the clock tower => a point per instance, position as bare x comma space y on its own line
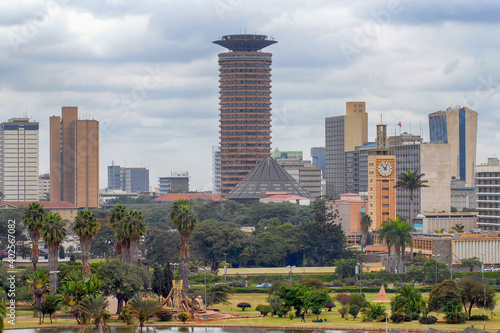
381, 181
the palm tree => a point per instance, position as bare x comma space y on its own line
32, 218
53, 233
408, 300
185, 220
366, 223
401, 236
133, 227
117, 214
143, 309
38, 285
411, 181
3, 314
386, 234
94, 307
86, 226
458, 228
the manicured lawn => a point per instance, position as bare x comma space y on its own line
254, 319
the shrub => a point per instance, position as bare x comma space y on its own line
126, 316
407, 318
243, 305
291, 315
397, 318
263, 309
280, 314
414, 316
479, 317
183, 316
164, 315
329, 306
429, 320
354, 311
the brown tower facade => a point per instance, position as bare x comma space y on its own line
74, 159
245, 106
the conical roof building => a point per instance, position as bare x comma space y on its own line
267, 176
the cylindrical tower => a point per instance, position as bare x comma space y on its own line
245, 106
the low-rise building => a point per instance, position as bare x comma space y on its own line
433, 222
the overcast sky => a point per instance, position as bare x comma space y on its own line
148, 71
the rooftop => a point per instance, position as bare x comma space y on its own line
245, 43
171, 197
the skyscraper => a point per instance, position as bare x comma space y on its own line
215, 169
343, 134
245, 106
130, 180
458, 128
19, 160
74, 159
318, 158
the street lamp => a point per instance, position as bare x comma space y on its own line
484, 285
206, 314
436, 255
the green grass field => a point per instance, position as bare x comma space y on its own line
250, 317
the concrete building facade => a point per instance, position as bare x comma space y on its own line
457, 127
178, 182
44, 187
307, 175
245, 106
19, 159
430, 222
350, 210
74, 159
488, 194
381, 180
343, 134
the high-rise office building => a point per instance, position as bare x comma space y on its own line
215, 169
458, 128
44, 187
130, 180
19, 160
245, 106
343, 134
488, 194
318, 158
74, 159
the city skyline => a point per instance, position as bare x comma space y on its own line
148, 71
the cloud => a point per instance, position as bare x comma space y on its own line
148, 70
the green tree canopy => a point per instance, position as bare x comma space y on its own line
444, 293
213, 239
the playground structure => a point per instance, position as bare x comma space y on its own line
180, 301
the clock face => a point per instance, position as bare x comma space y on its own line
385, 168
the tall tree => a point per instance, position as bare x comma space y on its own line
185, 220
401, 236
86, 226
366, 223
38, 285
117, 214
33, 218
213, 240
473, 294
53, 232
386, 234
133, 227
411, 181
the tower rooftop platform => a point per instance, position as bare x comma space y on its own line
245, 43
